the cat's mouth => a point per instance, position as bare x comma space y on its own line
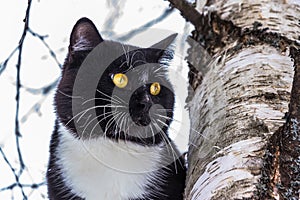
143, 114
143, 120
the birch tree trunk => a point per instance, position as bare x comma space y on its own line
245, 113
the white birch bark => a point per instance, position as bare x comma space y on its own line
241, 102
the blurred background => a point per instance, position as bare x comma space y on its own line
27, 119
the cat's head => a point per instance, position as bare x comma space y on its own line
109, 89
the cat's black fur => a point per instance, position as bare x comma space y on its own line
139, 105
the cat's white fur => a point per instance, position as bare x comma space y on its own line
104, 169
83, 44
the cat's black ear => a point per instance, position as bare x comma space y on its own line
165, 43
163, 49
84, 36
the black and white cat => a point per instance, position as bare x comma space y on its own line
110, 142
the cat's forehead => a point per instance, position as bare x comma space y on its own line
142, 63
141, 73
133, 55
147, 72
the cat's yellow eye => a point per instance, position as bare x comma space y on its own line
120, 80
155, 88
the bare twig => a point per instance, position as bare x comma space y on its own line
17, 183
17, 172
144, 27
4, 64
18, 86
44, 91
42, 38
116, 11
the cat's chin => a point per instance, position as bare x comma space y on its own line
142, 122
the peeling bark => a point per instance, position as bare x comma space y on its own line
241, 102
280, 16
245, 114
289, 157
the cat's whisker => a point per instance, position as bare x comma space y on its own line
160, 74
135, 53
99, 98
156, 70
159, 131
126, 53
126, 121
75, 117
142, 137
165, 109
174, 153
94, 107
138, 133
114, 118
90, 134
114, 115
119, 99
86, 121
153, 134
160, 68
109, 97
125, 62
171, 128
163, 116
70, 96
80, 113
118, 120
184, 124
142, 61
172, 119
109, 123
86, 126
128, 126
191, 129
122, 118
168, 143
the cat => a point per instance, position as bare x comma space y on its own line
114, 104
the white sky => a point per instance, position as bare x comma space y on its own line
54, 18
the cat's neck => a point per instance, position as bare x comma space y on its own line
125, 166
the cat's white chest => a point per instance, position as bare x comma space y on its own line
104, 169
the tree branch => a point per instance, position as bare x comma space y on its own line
42, 38
19, 49
294, 108
187, 11
18, 85
289, 145
142, 28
